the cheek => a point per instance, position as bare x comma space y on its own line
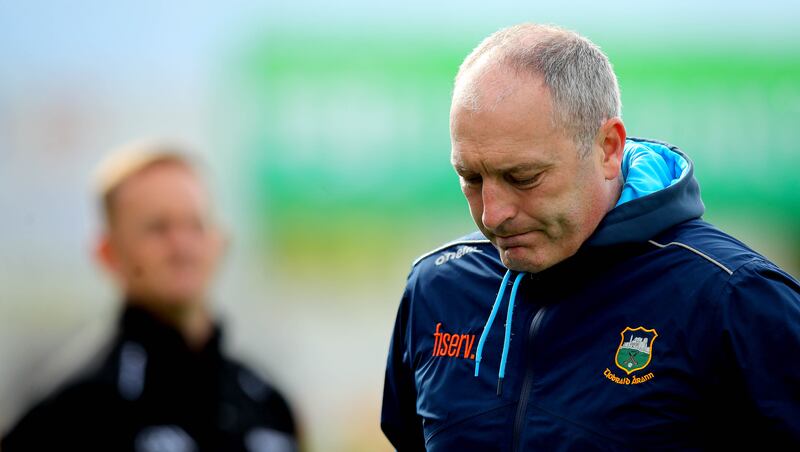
557, 215
578, 214
543, 208
475, 202
145, 256
211, 253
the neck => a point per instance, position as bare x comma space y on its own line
191, 319
615, 192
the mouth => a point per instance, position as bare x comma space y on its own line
513, 241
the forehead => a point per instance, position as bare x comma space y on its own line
161, 185
500, 118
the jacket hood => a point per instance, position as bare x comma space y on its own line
659, 191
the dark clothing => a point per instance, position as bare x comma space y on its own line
661, 333
152, 393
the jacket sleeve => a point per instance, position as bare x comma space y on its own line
760, 320
399, 420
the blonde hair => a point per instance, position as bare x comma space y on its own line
129, 160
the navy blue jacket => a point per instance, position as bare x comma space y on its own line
149, 391
661, 332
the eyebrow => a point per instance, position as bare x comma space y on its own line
460, 168
527, 167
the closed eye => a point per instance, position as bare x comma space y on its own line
472, 180
469, 177
526, 182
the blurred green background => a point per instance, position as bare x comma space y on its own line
324, 131
352, 133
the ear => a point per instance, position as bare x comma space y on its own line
611, 139
105, 254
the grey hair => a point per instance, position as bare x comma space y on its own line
577, 73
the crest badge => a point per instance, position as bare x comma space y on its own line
635, 349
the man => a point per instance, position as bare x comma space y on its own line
627, 321
165, 384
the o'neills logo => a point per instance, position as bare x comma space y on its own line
461, 252
452, 345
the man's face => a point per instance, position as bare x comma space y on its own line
162, 243
528, 189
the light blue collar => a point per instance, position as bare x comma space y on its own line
648, 167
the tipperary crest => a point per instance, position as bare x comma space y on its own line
635, 348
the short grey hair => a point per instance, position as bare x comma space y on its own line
577, 73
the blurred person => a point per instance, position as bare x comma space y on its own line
165, 383
628, 322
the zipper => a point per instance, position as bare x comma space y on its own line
522, 405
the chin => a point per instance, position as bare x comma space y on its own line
524, 259
178, 297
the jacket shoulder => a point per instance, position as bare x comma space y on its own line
709, 246
50, 423
465, 264
474, 242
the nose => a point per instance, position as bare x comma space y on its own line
498, 206
184, 236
